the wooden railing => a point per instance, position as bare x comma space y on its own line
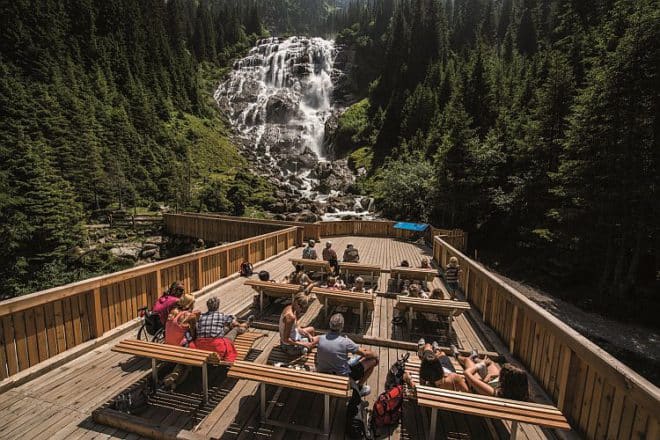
601, 397
202, 226
39, 326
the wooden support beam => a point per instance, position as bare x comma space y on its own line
98, 320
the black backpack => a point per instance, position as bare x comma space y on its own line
357, 417
133, 401
246, 269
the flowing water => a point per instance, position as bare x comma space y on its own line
278, 98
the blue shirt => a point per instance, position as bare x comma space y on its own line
332, 355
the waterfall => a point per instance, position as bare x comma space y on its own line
279, 96
278, 99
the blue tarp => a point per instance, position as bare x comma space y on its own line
417, 227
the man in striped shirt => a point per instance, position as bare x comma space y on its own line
452, 272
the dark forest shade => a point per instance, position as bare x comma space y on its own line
103, 106
532, 124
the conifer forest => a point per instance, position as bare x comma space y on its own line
531, 124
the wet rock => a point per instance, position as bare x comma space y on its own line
149, 253
128, 251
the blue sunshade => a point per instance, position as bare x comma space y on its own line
417, 227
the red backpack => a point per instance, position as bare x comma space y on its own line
388, 407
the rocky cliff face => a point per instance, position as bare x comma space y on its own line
279, 98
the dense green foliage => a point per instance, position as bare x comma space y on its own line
537, 121
105, 105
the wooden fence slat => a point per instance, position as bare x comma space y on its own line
9, 337
75, 314
85, 320
51, 331
68, 323
31, 337
21, 340
42, 338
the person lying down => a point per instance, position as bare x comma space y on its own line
479, 376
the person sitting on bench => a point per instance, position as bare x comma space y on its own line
332, 355
296, 340
212, 333
298, 276
351, 254
330, 256
425, 264
334, 283
437, 370
437, 294
487, 378
309, 253
168, 301
359, 286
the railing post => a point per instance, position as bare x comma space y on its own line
300, 236
98, 319
514, 329
200, 274
227, 262
159, 286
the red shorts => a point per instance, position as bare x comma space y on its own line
224, 347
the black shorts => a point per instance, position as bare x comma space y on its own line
357, 371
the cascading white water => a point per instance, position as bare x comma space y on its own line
279, 98
281, 93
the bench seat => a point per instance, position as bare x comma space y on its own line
278, 290
365, 301
370, 272
326, 384
515, 411
184, 355
442, 307
411, 273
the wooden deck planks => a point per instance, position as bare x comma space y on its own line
76, 385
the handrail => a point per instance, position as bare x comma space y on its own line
38, 326
377, 227
594, 390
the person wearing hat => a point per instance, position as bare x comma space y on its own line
332, 355
351, 254
330, 256
309, 253
181, 322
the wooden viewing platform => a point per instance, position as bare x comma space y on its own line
57, 367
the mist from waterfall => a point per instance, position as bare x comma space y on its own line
281, 93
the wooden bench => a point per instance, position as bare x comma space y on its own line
442, 307
278, 290
370, 272
186, 356
546, 416
321, 266
326, 384
277, 355
411, 273
365, 301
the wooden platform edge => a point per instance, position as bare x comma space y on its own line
67, 356
140, 426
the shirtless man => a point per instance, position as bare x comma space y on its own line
296, 340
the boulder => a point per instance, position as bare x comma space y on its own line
126, 251
148, 253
